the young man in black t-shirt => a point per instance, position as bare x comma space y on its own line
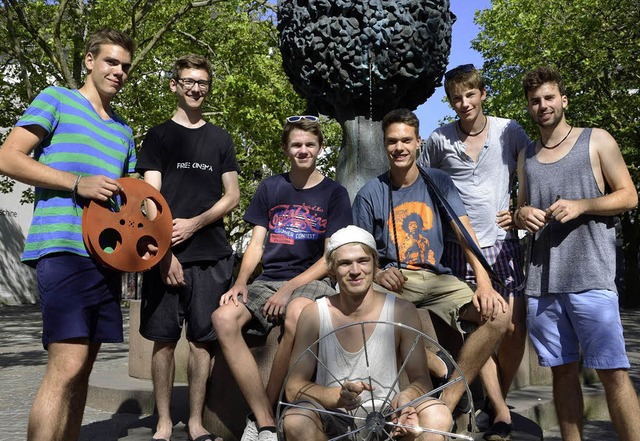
193, 164
293, 216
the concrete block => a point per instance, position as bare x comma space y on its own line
141, 349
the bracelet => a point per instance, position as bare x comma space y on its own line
74, 192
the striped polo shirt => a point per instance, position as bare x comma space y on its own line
78, 141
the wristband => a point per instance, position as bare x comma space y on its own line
74, 192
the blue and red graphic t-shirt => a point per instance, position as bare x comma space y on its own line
297, 221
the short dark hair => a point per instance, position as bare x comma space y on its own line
190, 61
305, 125
109, 36
465, 75
539, 76
404, 116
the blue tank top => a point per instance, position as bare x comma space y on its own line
579, 255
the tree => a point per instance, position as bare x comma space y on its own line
42, 43
595, 45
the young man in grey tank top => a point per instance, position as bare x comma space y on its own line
572, 301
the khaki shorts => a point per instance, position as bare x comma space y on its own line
442, 294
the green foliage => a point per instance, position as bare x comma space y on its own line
42, 43
595, 45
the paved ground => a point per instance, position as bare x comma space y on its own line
22, 362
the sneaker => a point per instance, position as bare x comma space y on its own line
267, 435
250, 429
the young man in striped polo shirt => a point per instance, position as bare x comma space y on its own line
80, 147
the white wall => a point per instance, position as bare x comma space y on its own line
17, 281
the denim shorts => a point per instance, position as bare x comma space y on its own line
561, 325
79, 299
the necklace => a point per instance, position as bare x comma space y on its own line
473, 134
561, 141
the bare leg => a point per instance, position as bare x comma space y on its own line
162, 374
511, 348
303, 425
498, 373
199, 372
283, 354
56, 414
475, 352
567, 395
489, 376
228, 321
433, 414
622, 401
436, 367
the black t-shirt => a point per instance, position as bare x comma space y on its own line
297, 222
192, 162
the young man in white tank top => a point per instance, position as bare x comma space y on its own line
352, 260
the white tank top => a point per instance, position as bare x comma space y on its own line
342, 365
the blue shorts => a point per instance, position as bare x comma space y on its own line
562, 324
79, 299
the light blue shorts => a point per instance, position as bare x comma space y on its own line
560, 325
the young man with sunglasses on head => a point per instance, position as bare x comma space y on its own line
193, 164
397, 207
572, 182
293, 216
80, 148
480, 153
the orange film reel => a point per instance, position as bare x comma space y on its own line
131, 232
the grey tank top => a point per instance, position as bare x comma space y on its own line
581, 254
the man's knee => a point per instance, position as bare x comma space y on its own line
294, 309
564, 372
500, 323
300, 423
226, 320
70, 362
614, 379
435, 415
164, 348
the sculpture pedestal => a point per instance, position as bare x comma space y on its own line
141, 349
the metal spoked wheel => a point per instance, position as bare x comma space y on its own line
369, 424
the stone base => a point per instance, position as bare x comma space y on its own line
141, 349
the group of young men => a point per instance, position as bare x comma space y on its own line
407, 249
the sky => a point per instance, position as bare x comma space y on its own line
464, 30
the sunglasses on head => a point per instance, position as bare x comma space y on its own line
296, 118
464, 68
